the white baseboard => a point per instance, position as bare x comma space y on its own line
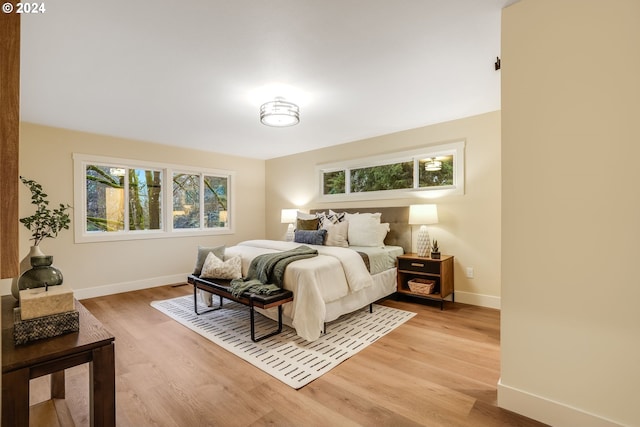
547, 411
489, 301
116, 288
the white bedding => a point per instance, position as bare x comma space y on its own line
317, 283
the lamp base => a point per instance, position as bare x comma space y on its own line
290, 234
424, 243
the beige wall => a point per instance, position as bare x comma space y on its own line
570, 211
99, 268
469, 225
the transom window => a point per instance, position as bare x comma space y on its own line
434, 168
120, 199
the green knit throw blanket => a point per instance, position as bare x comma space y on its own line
266, 272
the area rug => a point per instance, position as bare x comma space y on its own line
286, 356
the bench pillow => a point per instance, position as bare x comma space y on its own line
203, 251
215, 268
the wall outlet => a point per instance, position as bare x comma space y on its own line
470, 272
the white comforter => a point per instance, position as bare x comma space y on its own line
333, 274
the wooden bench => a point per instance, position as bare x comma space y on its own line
222, 288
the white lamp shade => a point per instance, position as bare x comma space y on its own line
288, 216
423, 214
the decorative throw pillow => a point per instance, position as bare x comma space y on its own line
203, 251
364, 229
323, 219
339, 216
337, 234
215, 268
330, 218
303, 215
310, 237
307, 224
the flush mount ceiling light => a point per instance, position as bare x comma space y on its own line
433, 165
279, 113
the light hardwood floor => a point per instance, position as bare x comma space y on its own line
438, 369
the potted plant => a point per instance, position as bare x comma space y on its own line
435, 250
44, 223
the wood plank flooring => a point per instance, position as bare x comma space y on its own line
438, 369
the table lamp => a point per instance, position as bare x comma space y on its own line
423, 215
289, 216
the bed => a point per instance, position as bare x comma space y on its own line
339, 280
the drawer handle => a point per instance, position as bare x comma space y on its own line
416, 264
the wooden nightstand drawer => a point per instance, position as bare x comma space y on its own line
418, 265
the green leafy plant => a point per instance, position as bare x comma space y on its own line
434, 247
45, 222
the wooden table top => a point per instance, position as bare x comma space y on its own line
92, 334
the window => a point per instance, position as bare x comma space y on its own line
394, 176
436, 171
119, 199
435, 168
334, 182
106, 195
186, 200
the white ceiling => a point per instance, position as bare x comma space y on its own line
194, 73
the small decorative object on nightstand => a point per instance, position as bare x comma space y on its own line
430, 278
435, 250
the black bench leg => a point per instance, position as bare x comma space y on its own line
253, 326
195, 302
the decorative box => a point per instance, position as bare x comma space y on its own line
25, 331
422, 286
41, 302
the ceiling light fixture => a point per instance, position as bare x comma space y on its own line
279, 113
433, 165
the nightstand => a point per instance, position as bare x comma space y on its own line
411, 266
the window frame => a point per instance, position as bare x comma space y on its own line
81, 235
457, 188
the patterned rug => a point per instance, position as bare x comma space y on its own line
287, 357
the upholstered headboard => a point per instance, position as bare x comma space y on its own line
397, 217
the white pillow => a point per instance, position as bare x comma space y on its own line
215, 268
364, 229
337, 234
362, 216
383, 229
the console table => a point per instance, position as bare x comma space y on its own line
92, 344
